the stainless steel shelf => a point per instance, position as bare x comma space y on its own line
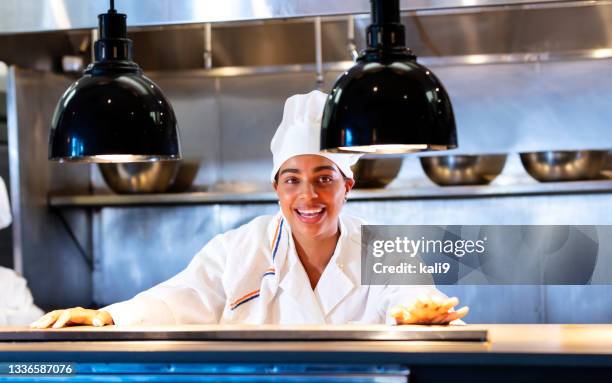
405, 193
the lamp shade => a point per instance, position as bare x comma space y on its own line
113, 113
387, 103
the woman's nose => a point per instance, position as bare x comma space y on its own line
308, 190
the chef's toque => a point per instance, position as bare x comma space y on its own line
300, 133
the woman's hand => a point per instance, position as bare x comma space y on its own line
429, 310
74, 316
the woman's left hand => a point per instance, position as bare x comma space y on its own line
429, 310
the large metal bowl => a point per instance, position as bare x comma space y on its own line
376, 172
140, 177
550, 166
186, 174
463, 169
606, 170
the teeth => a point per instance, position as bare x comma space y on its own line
310, 212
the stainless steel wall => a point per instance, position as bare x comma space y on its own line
42, 15
238, 127
227, 123
143, 246
43, 250
512, 304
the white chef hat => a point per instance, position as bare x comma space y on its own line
300, 133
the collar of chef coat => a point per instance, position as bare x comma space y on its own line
334, 284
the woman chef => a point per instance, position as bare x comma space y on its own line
300, 266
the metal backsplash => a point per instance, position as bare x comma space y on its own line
44, 15
136, 247
43, 250
527, 32
538, 31
143, 246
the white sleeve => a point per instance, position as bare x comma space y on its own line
5, 208
194, 296
16, 304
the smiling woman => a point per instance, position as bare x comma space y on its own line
300, 266
311, 191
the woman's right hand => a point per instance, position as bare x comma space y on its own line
430, 310
74, 316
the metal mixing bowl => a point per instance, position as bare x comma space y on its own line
140, 177
606, 170
463, 169
376, 172
552, 166
186, 174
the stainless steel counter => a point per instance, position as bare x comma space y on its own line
250, 333
532, 342
543, 353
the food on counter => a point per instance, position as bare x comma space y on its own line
429, 310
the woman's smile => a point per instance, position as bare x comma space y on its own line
311, 215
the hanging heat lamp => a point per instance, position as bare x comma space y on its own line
113, 113
387, 103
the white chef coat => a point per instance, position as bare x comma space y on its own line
16, 304
5, 207
253, 275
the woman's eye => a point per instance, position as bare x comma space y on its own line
291, 180
325, 179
